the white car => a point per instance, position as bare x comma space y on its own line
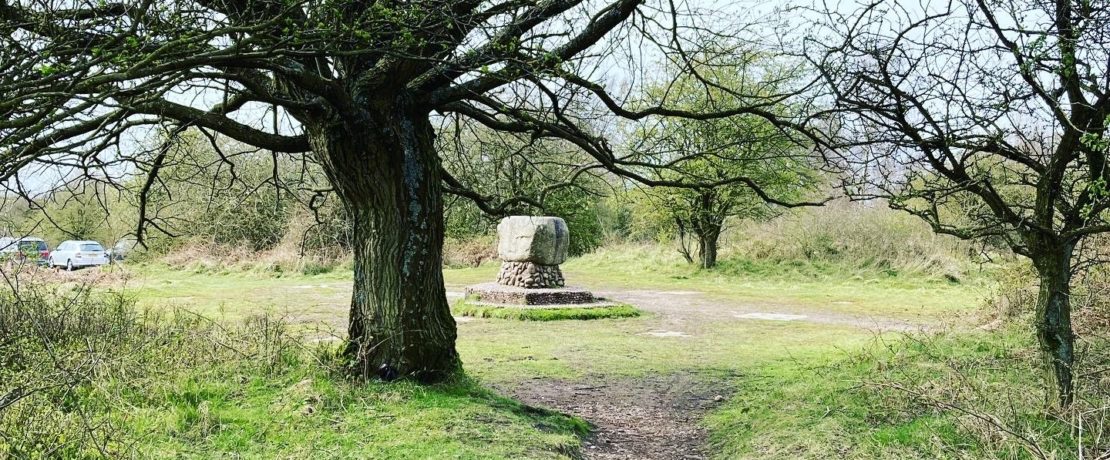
23, 250
74, 254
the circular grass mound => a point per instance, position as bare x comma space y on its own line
471, 308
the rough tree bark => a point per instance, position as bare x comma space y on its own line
707, 249
387, 174
708, 221
1052, 261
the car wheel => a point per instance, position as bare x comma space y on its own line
69, 265
50, 263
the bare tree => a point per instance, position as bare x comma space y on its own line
985, 118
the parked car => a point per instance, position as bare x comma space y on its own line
122, 248
24, 249
75, 254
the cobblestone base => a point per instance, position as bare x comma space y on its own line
494, 293
530, 275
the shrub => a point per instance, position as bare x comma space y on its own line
286, 258
72, 361
469, 252
1014, 293
853, 235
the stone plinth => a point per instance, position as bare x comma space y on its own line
494, 293
531, 249
536, 239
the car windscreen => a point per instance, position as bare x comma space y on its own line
37, 246
92, 247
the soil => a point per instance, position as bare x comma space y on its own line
658, 417
648, 418
691, 309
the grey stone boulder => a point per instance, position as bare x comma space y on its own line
536, 239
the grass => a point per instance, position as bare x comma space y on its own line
789, 285
234, 295
947, 395
507, 352
503, 352
464, 307
270, 416
180, 386
801, 389
229, 293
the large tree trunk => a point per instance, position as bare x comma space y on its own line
707, 224
1053, 318
707, 249
387, 174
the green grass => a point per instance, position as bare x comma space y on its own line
232, 294
922, 396
511, 351
478, 310
299, 413
788, 285
507, 352
180, 386
802, 389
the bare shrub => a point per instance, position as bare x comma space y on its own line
985, 388
471, 252
1014, 292
73, 361
284, 258
863, 235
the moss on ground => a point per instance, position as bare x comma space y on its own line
466, 307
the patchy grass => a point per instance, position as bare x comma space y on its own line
235, 295
506, 352
803, 285
512, 352
804, 390
946, 395
228, 293
464, 307
100, 379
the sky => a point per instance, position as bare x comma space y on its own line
727, 16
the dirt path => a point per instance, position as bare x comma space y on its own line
692, 307
652, 418
658, 417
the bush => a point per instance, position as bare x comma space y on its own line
853, 235
70, 362
199, 257
469, 252
1014, 293
581, 211
85, 375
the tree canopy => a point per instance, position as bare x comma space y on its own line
709, 152
356, 88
